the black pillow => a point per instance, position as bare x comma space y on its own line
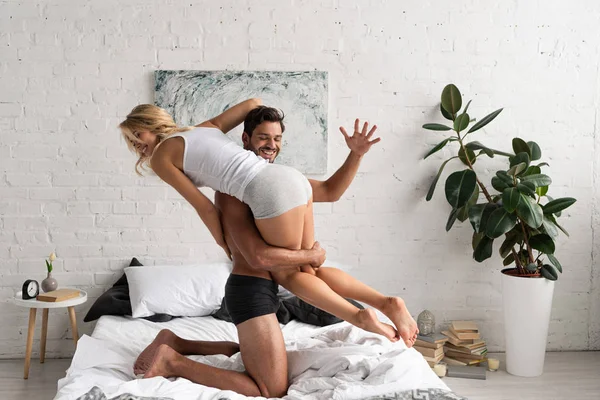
116, 301
293, 308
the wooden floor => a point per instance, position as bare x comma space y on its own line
573, 376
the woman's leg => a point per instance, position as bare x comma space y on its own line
287, 230
393, 307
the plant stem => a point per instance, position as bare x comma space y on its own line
518, 262
464, 149
529, 251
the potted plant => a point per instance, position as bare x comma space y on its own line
518, 212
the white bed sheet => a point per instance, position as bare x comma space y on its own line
335, 362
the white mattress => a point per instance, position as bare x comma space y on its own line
334, 362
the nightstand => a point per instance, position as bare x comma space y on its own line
33, 305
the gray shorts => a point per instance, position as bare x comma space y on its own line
275, 190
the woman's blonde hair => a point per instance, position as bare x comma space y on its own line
148, 117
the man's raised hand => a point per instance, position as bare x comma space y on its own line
360, 142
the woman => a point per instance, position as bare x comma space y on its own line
280, 198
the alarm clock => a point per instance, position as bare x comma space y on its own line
31, 289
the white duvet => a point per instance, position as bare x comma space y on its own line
334, 362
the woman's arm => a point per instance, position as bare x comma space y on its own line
209, 214
233, 116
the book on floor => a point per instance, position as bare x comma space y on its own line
429, 352
457, 371
422, 343
433, 338
464, 326
452, 361
462, 335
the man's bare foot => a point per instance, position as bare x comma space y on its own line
395, 309
367, 320
144, 360
161, 363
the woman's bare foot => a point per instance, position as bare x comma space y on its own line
395, 309
162, 361
367, 320
145, 358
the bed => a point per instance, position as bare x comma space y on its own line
333, 362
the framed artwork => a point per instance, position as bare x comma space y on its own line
192, 97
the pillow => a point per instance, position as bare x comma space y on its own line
178, 290
115, 301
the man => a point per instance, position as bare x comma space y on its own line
260, 338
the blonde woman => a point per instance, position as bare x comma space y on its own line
280, 198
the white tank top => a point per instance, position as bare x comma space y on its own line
212, 159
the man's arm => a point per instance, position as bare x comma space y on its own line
238, 223
359, 143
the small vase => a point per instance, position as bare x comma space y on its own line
49, 284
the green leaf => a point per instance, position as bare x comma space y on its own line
532, 170
470, 154
558, 205
543, 243
536, 152
509, 180
507, 245
484, 249
549, 272
550, 228
446, 114
527, 188
543, 164
479, 215
499, 184
467, 107
435, 180
520, 146
502, 153
517, 169
48, 267
530, 212
520, 158
476, 239
509, 259
459, 187
437, 127
538, 179
451, 99
451, 219
479, 146
463, 212
484, 121
531, 267
499, 223
510, 199
541, 191
554, 262
461, 122
437, 147
551, 218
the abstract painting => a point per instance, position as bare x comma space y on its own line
192, 97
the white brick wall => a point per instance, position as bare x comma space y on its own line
70, 71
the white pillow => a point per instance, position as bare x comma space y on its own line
177, 290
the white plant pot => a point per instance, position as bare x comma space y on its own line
527, 307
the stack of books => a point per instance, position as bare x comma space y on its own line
465, 345
431, 347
